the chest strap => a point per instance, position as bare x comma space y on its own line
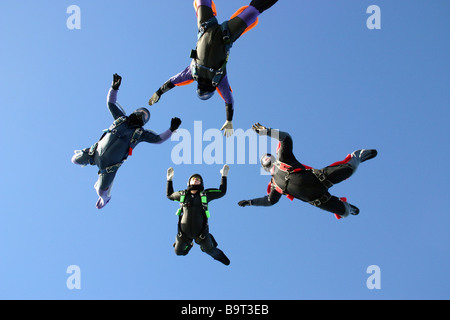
204, 199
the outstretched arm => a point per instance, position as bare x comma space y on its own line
219, 193
272, 198
285, 149
114, 108
180, 79
225, 92
151, 137
171, 195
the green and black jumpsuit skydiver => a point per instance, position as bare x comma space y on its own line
210, 57
296, 180
118, 142
193, 219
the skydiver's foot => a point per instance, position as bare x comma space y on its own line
102, 202
365, 154
223, 258
353, 210
349, 210
80, 158
103, 199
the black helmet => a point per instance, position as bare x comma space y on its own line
143, 113
205, 89
195, 187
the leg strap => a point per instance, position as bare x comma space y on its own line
112, 168
323, 199
322, 178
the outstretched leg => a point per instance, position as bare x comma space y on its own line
182, 245
205, 10
340, 207
242, 19
209, 246
81, 157
103, 187
342, 170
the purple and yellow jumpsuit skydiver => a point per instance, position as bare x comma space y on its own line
118, 142
296, 180
209, 59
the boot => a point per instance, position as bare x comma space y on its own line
365, 154
349, 210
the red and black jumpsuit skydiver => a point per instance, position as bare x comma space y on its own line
209, 59
296, 180
194, 215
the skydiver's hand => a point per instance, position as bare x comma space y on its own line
154, 99
117, 80
224, 171
227, 128
175, 124
244, 203
170, 174
257, 127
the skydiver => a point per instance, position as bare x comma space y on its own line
296, 180
118, 142
194, 215
209, 59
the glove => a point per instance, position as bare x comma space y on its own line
117, 80
257, 127
154, 99
224, 171
170, 174
175, 124
244, 203
228, 127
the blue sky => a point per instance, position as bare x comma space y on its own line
311, 68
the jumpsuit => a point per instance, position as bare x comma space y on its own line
304, 184
113, 148
211, 51
193, 223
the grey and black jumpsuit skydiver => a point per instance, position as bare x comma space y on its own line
194, 215
118, 142
209, 59
296, 180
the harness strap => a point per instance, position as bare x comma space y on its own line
204, 199
182, 200
134, 140
205, 26
93, 149
226, 36
289, 170
112, 168
280, 191
322, 178
323, 199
